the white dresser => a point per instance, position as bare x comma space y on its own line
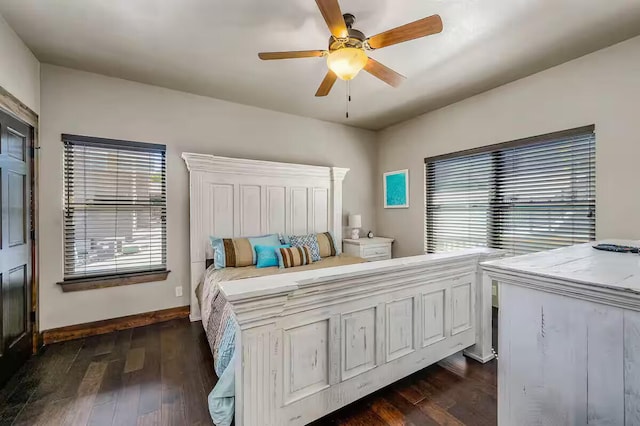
371, 249
569, 337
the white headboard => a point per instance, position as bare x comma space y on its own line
233, 197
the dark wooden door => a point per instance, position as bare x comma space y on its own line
15, 245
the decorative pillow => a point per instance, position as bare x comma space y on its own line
311, 241
294, 256
267, 255
236, 252
218, 253
336, 245
267, 240
326, 245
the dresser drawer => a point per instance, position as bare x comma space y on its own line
375, 251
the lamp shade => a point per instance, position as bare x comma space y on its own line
347, 62
355, 221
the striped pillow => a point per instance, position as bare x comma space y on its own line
294, 256
236, 252
326, 244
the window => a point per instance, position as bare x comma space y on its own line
114, 208
522, 196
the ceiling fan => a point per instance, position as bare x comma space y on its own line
347, 55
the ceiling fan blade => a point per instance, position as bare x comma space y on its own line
332, 15
327, 84
423, 27
266, 56
384, 73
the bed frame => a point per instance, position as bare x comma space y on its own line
310, 342
233, 197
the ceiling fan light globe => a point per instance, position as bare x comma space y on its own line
347, 62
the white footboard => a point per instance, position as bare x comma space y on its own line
312, 342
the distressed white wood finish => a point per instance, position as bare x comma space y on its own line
276, 210
461, 306
569, 337
631, 367
232, 197
358, 347
433, 326
400, 328
299, 215
306, 360
314, 341
483, 350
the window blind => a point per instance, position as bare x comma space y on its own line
458, 202
114, 207
523, 196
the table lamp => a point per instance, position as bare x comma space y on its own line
355, 222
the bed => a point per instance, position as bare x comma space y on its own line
299, 344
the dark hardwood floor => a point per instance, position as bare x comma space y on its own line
162, 374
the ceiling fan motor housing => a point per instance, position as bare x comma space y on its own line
355, 38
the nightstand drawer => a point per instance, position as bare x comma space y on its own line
376, 258
376, 251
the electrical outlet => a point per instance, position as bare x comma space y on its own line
179, 291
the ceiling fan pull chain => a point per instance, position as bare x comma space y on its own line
348, 98
346, 104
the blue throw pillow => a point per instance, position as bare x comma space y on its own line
267, 255
267, 240
219, 261
284, 238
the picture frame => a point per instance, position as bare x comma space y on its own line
396, 189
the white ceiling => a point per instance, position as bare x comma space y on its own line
209, 47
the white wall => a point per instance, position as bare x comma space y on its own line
19, 69
89, 104
602, 88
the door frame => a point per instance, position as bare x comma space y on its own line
14, 107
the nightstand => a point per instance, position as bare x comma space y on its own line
370, 249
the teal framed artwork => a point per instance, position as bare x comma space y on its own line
396, 189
